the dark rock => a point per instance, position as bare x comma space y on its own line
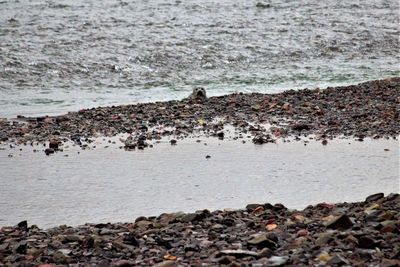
251, 207
49, 151
228, 222
265, 253
367, 242
130, 239
191, 247
21, 247
263, 139
54, 143
343, 222
279, 207
374, 197
263, 5
300, 127
190, 217
225, 260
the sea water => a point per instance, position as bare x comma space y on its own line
60, 56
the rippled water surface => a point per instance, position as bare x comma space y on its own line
57, 56
109, 184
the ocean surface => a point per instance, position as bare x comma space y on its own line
59, 56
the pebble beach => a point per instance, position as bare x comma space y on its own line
362, 233
344, 234
199, 133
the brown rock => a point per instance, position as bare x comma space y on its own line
342, 222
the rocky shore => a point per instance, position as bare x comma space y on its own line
368, 109
345, 234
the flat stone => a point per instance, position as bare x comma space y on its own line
239, 253
261, 240
278, 260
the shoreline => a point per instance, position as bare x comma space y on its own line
365, 110
351, 234
177, 97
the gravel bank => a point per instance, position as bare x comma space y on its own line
345, 234
368, 109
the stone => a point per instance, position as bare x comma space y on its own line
300, 127
265, 253
388, 227
49, 151
64, 251
54, 143
239, 253
278, 260
251, 207
190, 217
261, 240
374, 197
367, 242
324, 238
338, 260
21, 247
342, 222
263, 5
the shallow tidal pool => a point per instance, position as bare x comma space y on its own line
110, 185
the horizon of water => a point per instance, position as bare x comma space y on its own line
59, 56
